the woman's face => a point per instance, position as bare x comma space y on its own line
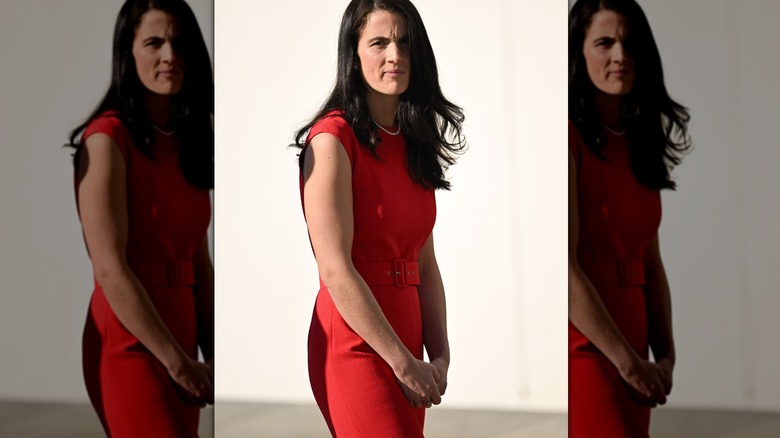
159, 67
610, 66
383, 49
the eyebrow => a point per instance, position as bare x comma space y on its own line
403, 38
603, 39
153, 38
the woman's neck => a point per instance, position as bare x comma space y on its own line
382, 108
158, 108
609, 109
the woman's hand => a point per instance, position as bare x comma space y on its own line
645, 382
194, 381
419, 383
667, 369
441, 366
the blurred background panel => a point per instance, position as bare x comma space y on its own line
720, 235
56, 65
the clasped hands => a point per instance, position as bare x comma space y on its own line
423, 383
649, 383
194, 382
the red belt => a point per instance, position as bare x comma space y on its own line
399, 273
622, 272
173, 273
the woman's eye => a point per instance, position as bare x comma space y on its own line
604, 43
154, 42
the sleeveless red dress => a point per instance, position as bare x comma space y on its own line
167, 219
618, 219
354, 387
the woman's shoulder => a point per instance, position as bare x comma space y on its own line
109, 123
334, 123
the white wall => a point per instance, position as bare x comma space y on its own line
719, 235
56, 65
500, 233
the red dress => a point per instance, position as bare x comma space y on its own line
167, 219
354, 387
618, 219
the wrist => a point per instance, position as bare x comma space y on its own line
175, 361
443, 360
402, 363
666, 360
627, 362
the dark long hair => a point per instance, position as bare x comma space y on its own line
656, 125
192, 108
432, 125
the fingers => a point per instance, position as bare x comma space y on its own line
668, 387
201, 393
188, 397
442, 385
666, 379
659, 385
656, 393
208, 397
647, 390
423, 398
194, 386
424, 386
435, 397
436, 374
429, 396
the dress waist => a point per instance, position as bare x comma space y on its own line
399, 273
171, 273
622, 272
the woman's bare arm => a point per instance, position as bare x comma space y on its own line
659, 312
433, 306
204, 298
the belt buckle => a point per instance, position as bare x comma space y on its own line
399, 269
174, 274
625, 273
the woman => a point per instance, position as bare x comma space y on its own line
625, 135
371, 160
144, 167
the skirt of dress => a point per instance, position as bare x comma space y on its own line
354, 387
600, 404
128, 387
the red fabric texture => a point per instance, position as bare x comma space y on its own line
167, 219
393, 217
618, 218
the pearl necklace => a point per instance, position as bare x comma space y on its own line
618, 133
162, 131
397, 131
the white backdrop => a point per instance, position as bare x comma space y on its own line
500, 233
56, 66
